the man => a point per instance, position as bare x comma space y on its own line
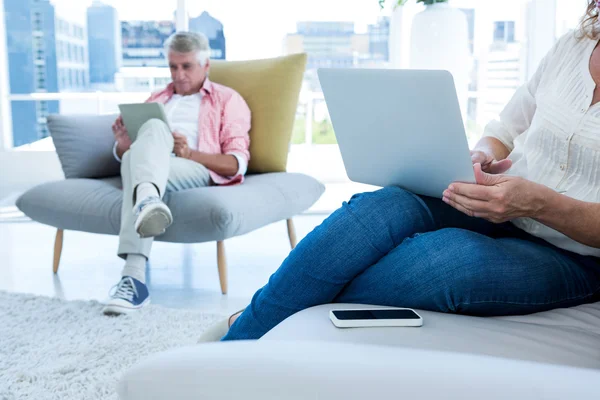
209, 142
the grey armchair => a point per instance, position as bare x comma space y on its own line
90, 198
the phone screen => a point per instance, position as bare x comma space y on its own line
375, 314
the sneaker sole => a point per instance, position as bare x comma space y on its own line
153, 222
115, 309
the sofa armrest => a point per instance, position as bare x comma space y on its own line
318, 370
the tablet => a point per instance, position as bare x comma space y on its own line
136, 115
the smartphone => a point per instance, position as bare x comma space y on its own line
376, 317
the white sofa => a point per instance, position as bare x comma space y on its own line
551, 355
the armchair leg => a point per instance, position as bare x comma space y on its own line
58, 245
292, 233
222, 264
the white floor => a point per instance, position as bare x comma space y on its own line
180, 276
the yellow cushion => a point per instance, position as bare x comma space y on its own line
271, 88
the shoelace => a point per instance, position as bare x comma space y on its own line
125, 289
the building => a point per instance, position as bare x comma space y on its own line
142, 42
213, 29
142, 79
32, 65
104, 38
46, 53
328, 44
71, 55
379, 40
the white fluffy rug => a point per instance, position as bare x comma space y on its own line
53, 349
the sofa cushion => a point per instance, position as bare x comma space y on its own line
271, 88
200, 215
84, 145
291, 370
568, 336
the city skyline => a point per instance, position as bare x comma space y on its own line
250, 40
247, 39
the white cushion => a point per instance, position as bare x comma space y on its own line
273, 370
567, 336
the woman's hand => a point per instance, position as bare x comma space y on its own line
181, 148
489, 163
497, 198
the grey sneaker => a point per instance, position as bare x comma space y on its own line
153, 217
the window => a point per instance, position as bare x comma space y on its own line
60, 52
504, 31
42, 108
357, 35
40, 77
73, 79
37, 21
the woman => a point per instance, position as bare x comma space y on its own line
524, 239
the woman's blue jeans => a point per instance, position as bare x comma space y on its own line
393, 248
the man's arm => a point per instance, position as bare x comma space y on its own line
234, 138
235, 129
222, 164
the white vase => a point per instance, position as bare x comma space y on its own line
395, 42
440, 40
400, 27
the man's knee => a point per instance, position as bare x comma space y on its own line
154, 126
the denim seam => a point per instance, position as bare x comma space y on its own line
595, 292
326, 281
366, 228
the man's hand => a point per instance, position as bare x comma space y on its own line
121, 136
489, 163
497, 198
181, 148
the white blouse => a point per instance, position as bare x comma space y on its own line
554, 132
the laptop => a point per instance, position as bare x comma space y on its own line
398, 128
137, 114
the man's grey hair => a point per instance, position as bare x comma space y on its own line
189, 42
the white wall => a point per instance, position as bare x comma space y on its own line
21, 170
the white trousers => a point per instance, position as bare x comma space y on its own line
149, 160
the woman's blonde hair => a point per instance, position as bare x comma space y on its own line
589, 23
